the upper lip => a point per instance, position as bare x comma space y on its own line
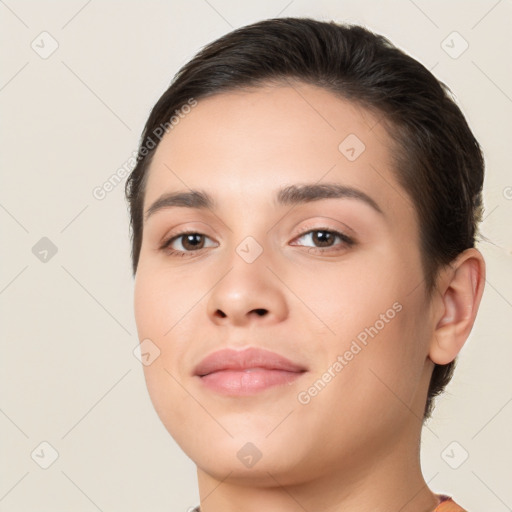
231, 359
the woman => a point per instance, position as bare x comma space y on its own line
304, 211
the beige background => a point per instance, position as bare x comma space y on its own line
69, 121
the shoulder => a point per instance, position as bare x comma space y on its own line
448, 505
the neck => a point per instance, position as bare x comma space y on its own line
389, 482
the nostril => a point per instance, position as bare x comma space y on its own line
261, 312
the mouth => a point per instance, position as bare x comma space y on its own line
247, 372
247, 382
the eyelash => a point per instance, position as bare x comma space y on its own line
347, 241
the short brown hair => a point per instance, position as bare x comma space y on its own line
439, 162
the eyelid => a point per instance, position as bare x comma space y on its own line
314, 225
176, 230
346, 240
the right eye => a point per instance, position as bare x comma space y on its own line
190, 242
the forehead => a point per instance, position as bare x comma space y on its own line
246, 143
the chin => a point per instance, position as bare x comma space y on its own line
248, 458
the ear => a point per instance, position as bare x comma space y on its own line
459, 291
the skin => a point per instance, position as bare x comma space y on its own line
355, 445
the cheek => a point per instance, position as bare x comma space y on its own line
345, 297
368, 317
374, 381
164, 314
389, 368
162, 300
154, 316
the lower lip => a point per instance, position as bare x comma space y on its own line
247, 382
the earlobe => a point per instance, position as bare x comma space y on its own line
459, 293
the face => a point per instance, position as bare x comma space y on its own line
328, 277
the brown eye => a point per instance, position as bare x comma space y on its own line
325, 238
184, 243
192, 241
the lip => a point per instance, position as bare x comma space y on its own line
246, 372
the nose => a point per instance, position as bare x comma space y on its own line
249, 292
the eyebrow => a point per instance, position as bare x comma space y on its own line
287, 196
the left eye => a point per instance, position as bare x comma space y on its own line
325, 238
